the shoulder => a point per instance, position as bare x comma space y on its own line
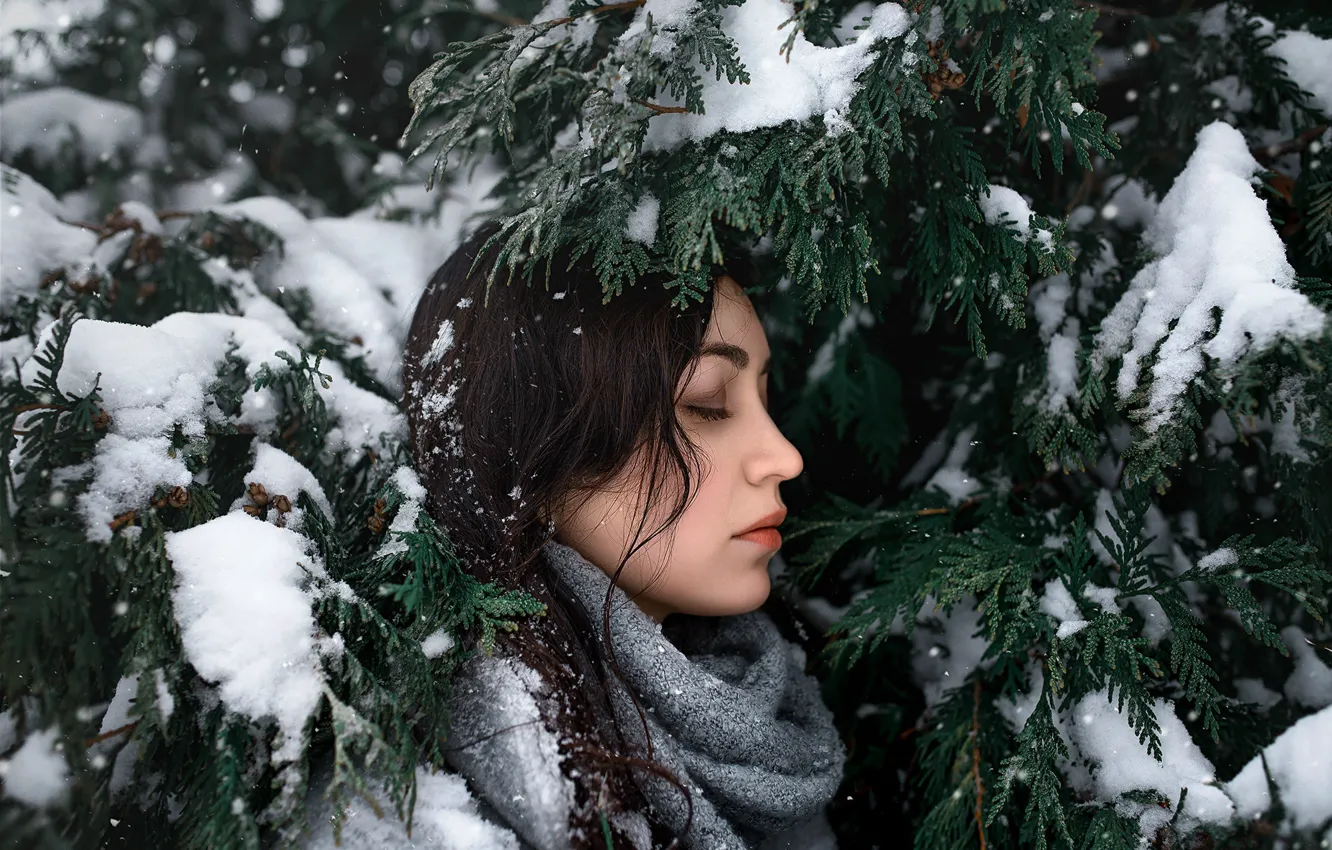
498, 741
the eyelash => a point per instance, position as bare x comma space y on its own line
712, 414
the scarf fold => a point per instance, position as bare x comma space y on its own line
730, 710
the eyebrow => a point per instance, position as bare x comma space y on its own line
734, 353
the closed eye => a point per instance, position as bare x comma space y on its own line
712, 414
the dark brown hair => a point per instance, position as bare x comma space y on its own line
518, 397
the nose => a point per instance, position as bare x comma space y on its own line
772, 454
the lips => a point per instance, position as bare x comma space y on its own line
764, 532
772, 520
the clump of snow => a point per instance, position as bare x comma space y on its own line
437, 643
42, 122
1002, 205
35, 239
1310, 684
37, 774
642, 224
1118, 763
1300, 762
1308, 61
1059, 604
445, 817
1218, 559
246, 621
1216, 249
809, 81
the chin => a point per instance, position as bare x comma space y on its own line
744, 598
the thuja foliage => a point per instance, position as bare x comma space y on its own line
78, 618
1007, 560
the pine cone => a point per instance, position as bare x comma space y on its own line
375, 524
207, 241
258, 494
123, 520
252, 510
146, 248
282, 503
179, 498
101, 419
380, 505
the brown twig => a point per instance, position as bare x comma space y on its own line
659, 109
1303, 140
128, 727
941, 511
610, 7
976, 764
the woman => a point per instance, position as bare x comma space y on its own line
617, 461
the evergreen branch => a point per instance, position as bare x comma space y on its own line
1035, 764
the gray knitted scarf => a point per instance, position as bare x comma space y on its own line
731, 713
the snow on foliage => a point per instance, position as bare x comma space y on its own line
245, 620
445, 817
43, 122
1299, 762
153, 379
1003, 205
1111, 761
1216, 250
809, 81
642, 224
35, 238
361, 275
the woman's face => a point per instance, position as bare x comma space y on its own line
700, 565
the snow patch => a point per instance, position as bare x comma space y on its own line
1216, 249
1300, 761
810, 81
246, 621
